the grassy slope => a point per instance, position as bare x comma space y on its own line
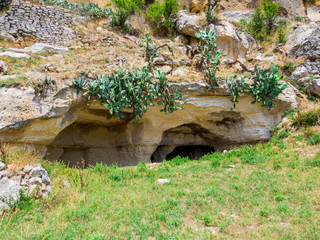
271, 193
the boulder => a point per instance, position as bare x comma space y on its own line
180, 72
233, 42
235, 16
6, 37
188, 24
38, 171
9, 192
313, 13
6, 174
293, 7
304, 40
314, 87
27, 169
2, 166
43, 48
15, 55
165, 69
163, 181
262, 58
3, 68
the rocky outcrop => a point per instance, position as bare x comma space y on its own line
62, 126
313, 13
229, 40
3, 68
31, 180
293, 7
188, 24
235, 16
45, 23
304, 41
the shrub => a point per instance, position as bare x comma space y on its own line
211, 56
282, 35
266, 86
288, 68
313, 139
264, 19
304, 119
161, 16
124, 9
4, 5
134, 90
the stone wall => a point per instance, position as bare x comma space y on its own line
45, 23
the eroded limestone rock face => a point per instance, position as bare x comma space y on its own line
229, 40
304, 40
62, 126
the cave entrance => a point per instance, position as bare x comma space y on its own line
187, 140
192, 152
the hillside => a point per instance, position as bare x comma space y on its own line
159, 120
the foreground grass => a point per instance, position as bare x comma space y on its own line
267, 191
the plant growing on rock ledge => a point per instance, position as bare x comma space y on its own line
211, 56
134, 90
265, 87
236, 88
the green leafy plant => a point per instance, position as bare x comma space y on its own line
266, 87
282, 35
124, 9
264, 20
209, 12
41, 89
4, 5
211, 56
161, 16
80, 82
288, 68
152, 51
236, 88
24, 201
87, 9
134, 90
313, 139
304, 119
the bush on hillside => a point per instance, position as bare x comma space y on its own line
124, 9
264, 20
161, 16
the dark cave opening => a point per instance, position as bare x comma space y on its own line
193, 152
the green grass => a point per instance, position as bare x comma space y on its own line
270, 192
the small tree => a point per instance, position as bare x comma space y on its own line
162, 16
211, 56
264, 20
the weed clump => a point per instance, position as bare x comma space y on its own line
161, 16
